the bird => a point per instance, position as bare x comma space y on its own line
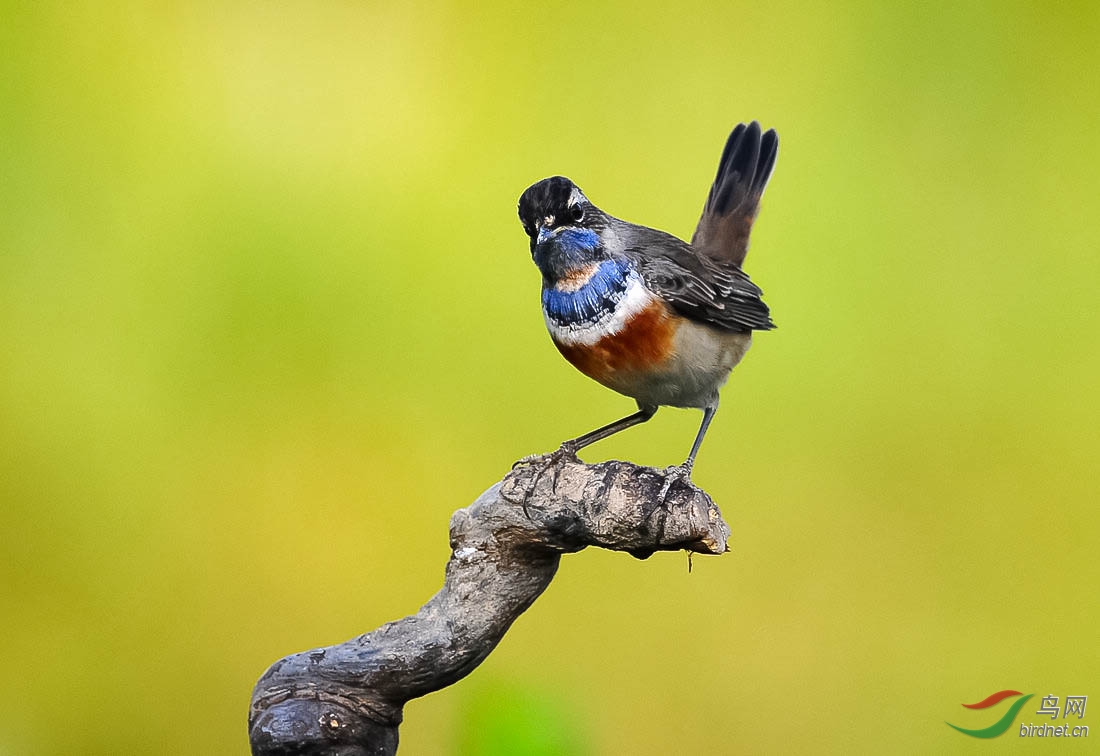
642, 312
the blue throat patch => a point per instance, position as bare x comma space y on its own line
578, 239
597, 297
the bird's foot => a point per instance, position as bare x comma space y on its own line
673, 475
564, 452
567, 452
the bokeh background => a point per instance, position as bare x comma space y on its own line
267, 318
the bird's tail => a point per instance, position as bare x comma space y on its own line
743, 172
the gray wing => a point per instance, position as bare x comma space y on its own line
710, 291
743, 171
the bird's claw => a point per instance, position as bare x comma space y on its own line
673, 475
565, 451
544, 462
528, 460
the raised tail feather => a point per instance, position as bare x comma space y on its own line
743, 172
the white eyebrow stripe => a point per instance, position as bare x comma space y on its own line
575, 197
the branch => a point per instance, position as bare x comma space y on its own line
505, 547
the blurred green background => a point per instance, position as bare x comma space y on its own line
267, 318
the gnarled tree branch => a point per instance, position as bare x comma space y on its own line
348, 699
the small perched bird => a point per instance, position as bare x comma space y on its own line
642, 312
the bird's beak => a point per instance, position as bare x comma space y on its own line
546, 229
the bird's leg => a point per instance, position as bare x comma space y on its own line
683, 472
708, 415
644, 413
569, 449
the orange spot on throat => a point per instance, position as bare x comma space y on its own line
576, 278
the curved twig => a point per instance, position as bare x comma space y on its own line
347, 699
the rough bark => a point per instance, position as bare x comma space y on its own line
505, 547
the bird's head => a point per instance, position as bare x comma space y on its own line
563, 226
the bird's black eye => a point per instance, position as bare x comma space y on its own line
527, 229
576, 213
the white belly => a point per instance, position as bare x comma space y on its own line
698, 367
